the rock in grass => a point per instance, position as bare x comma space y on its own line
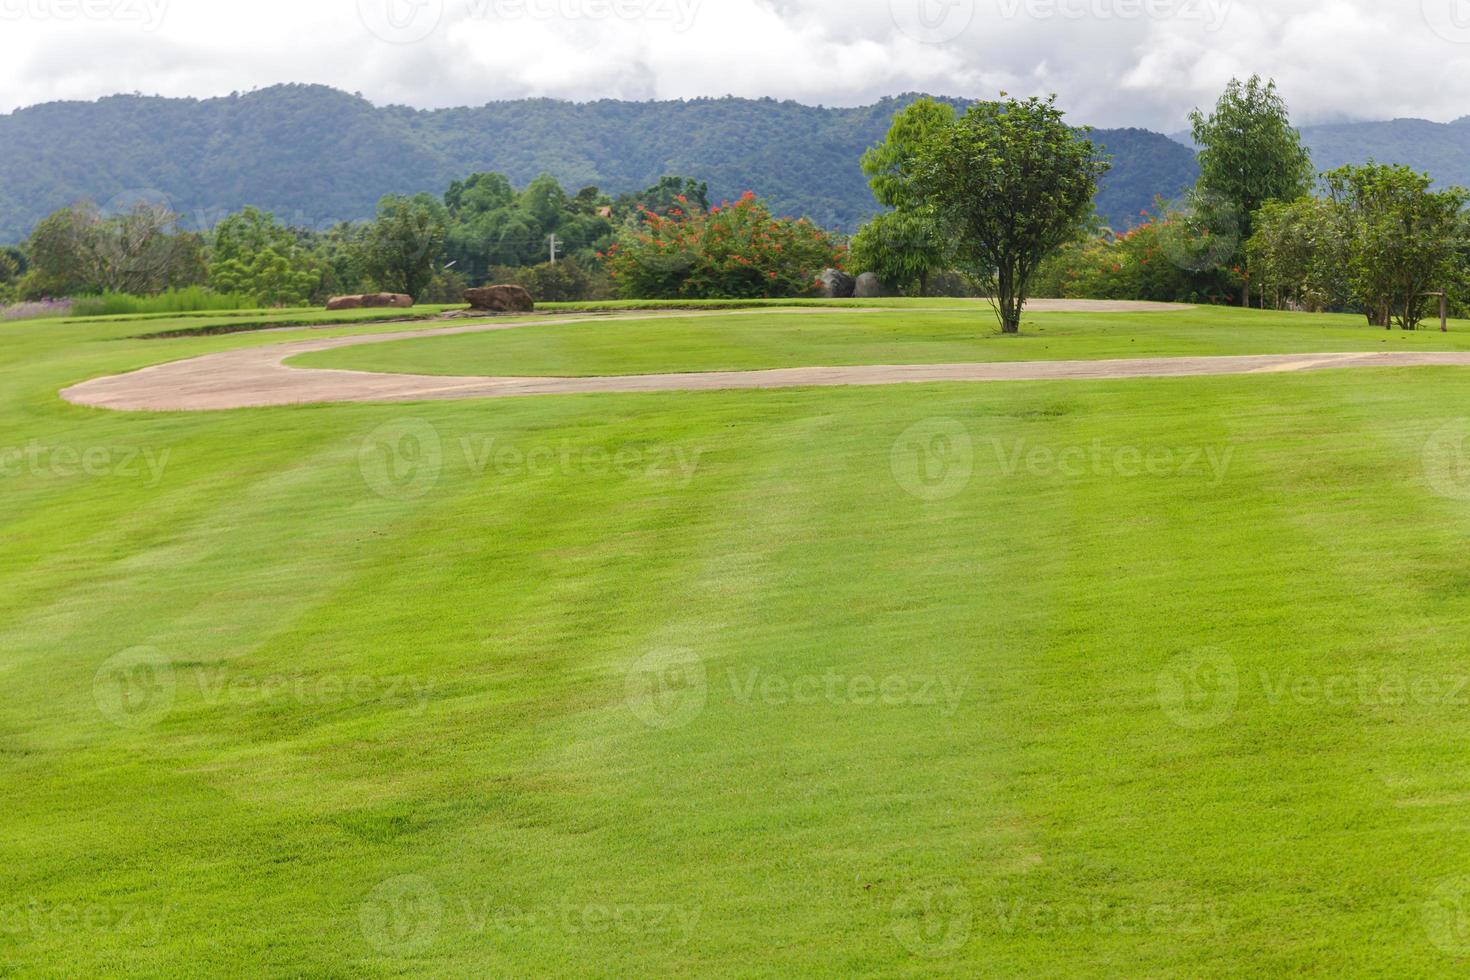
869, 286
837, 284
500, 299
370, 301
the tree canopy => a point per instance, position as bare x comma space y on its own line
1010, 183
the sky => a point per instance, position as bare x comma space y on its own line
1111, 62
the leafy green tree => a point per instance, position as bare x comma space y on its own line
9, 273
1404, 239
1300, 251
340, 253
257, 256
140, 251
491, 224
889, 165
903, 247
1009, 183
402, 247
1250, 154
671, 193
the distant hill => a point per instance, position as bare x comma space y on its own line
1441, 149
315, 155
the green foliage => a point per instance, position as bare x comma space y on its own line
1140, 264
9, 275
1009, 183
903, 247
255, 255
732, 251
669, 194
1405, 239
1301, 253
1249, 152
191, 299
141, 250
341, 255
491, 224
889, 165
402, 247
568, 281
315, 156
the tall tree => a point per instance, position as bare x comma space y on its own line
139, 251
904, 247
1404, 239
1250, 154
403, 245
256, 255
1010, 183
1300, 253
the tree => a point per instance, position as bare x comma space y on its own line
1300, 251
737, 251
889, 165
1250, 154
140, 251
257, 256
904, 247
1404, 239
1009, 183
670, 193
402, 247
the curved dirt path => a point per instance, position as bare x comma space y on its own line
256, 377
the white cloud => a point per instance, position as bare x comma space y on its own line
1113, 62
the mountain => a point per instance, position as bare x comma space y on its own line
1440, 149
315, 155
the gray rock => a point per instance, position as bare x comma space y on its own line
869, 286
837, 284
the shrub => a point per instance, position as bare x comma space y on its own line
728, 252
1165, 260
568, 281
191, 299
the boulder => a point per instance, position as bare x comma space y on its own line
370, 301
837, 284
869, 286
500, 299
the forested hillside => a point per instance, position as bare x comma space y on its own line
314, 155
1440, 149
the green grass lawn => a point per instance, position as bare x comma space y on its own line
1156, 677
740, 341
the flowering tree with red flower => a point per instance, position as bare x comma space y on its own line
735, 251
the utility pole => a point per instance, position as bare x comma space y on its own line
555, 244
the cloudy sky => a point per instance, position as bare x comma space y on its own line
1113, 62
